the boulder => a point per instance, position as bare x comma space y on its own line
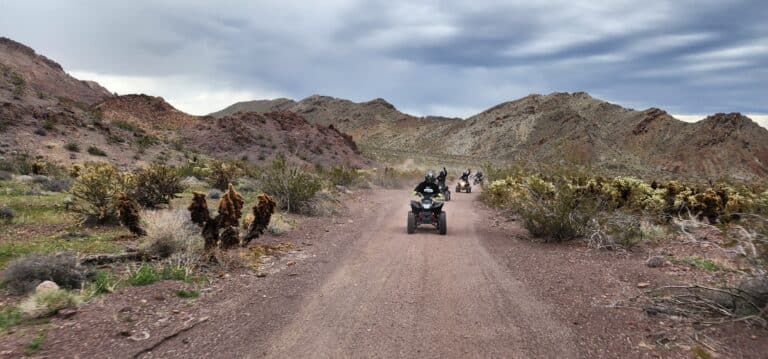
46, 285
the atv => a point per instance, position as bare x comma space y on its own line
463, 185
444, 190
478, 180
427, 211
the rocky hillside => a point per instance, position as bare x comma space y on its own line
44, 111
554, 128
41, 75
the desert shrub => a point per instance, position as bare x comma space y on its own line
393, 178
24, 274
48, 124
552, 211
156, 184
72, 147
145, 274
96, 151
58, 185
170, 232
9, 316
96, 190
47, 302
221, 174
103, 282
343, 176
323, 204
20, 163
5, 175
41, 132
146, 141
7, 214
187, 294
125, 125
291, 186
19, 84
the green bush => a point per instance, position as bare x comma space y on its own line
125, 125
221, 174
96, 190
103, 282
72, 147
156, 184
343, 176
48, 125
187, 294
9, 316
290, 185
146, 274
96, 151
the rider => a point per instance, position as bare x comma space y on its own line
465, 175
479, 175
428, 187
441, 177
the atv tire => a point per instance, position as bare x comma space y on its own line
411, 223
469, 190
442, 225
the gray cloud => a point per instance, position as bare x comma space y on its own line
440, 57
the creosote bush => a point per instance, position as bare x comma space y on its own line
291, 186
156, 184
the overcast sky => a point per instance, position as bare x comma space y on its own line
452, 58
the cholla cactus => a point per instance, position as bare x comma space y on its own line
230, 208
128, 212
262, 214
198, 210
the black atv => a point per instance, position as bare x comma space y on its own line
463, 185
478, 180
444, 190
427, 211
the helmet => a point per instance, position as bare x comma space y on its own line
430, 177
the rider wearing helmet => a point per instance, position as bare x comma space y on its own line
465, 175
428, 187
441, 177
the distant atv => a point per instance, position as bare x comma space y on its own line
444, 190
463, 185
427, 211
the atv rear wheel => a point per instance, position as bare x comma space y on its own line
469, 190
411, 223
442, 224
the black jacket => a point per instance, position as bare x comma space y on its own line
424, 185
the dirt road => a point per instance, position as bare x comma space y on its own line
358, 286
422, 295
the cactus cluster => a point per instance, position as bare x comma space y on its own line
222, 230
715, 203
